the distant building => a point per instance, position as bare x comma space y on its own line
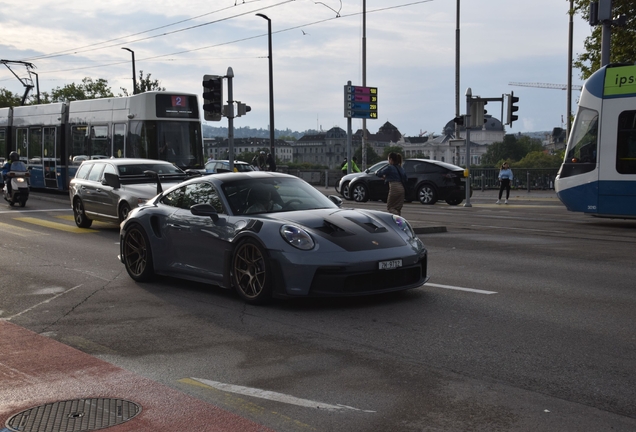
219, 149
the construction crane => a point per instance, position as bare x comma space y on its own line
544, 85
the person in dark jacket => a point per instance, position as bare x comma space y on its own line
271, 162
394, 175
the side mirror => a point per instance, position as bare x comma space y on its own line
336, 200
205, 210
111, 180
154, 175
193, 173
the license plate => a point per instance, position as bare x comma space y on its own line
390, 265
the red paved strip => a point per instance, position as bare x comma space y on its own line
35, 370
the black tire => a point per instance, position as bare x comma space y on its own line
251, 273
427, 195
137, 254
23, 201
11, 203
454, 201
124, 209
345, 191
80, 217
359, 192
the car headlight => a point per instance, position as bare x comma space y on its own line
297, 237
404, 226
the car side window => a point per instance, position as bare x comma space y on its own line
82, 172
96, 172
201, 193
173, 199
110, 169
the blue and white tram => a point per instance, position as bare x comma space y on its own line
54, 139
598, 174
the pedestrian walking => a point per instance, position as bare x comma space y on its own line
394, 175
505, 178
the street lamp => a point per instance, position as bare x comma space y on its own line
271, 85
133, 65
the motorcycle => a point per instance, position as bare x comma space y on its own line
19, 185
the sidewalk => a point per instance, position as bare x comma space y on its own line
74, 391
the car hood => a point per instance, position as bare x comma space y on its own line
352, 230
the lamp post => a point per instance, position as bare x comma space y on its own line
271, 85
133, 65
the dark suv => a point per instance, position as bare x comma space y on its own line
429, 181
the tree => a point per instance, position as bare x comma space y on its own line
88, 89
538, 159
510, 149
145, 84
623, 41
372, 156
9, 99
394, 149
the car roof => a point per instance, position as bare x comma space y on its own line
436, 162
225, 160
127, 161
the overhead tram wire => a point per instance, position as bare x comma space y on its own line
95, 47
239, 40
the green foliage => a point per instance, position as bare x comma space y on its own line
9, 99
372, 156
145, 84
88, 89
394, 149
538, 159
623, 42
511, 149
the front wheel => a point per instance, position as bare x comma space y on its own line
359, 193
137, 254
427, 195
80, 217
251, 273
124, 209
454, 201
345, 191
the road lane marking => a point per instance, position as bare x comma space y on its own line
518, 229
39, 304
55, 225
34, 211
274, 396
19, 231
460, 288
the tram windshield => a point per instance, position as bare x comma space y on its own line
582, 147
172, 141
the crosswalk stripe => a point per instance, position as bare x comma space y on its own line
19, 231
55, 225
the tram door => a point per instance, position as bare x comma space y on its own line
49, 158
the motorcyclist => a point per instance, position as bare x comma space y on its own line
6, 168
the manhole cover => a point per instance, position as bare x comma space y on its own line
74, 415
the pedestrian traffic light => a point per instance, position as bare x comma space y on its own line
512, 108
212, 97
242, 109
478, 113
459, 120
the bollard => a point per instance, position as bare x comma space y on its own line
326, 179
528, 181
483, 186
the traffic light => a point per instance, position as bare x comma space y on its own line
242, 109
478, 113
459, 120
512, 108
212, 97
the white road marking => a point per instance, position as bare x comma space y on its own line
278, 397
519, 229
460, 288
41, 303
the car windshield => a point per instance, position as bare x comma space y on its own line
271, 195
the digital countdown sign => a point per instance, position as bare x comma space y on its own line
360, 102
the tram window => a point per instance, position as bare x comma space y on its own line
79, 146
35, 146
100, 142
21, 143
583, 146
119, 137
3, 144
626, 145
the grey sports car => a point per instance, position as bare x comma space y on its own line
268, 234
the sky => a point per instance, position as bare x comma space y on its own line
317, 48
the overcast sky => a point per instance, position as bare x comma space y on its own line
317, 48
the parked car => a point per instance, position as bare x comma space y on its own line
268, 234
343, 185
428, 181
107, 189
219, 166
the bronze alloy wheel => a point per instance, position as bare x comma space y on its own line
251, 274
137, 254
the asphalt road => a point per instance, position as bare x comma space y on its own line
527, 324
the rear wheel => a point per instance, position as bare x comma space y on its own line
454, 201
80, 217
137, 254
251, 273
427, 195
359, 192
